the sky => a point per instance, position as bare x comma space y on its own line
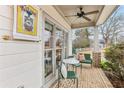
121, 9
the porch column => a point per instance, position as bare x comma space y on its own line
96, 49
69, 43
96, 40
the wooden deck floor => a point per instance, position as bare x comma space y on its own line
88, 78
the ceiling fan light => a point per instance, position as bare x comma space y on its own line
78, 14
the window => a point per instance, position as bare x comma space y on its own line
48, 62
48, 54
48, 35
65, 44
58, 55
59, 45
59, 38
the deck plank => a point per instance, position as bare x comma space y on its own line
88, 78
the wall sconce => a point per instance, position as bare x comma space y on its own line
6, 37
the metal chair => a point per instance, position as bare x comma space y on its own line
87, 59
68, 74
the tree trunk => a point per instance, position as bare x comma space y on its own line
106, 42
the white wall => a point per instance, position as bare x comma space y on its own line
20, 64
20, 61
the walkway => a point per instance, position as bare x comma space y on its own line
91, 78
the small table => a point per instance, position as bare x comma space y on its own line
71, 61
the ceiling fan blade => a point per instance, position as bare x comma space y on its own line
93, 12
70, 15
88, 19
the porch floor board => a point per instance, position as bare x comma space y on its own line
88, 78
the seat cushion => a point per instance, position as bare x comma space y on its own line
71, 75
87, 61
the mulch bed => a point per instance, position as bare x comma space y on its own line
117, 83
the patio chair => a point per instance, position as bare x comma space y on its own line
68, 74
87, 59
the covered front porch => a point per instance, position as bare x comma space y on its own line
87, 77
40, 52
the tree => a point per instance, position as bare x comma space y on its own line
111, 28
82, 39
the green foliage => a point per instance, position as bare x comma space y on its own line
115, 56
82, 39
106, 65
115, 53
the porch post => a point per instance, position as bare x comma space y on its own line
96, 41
69, 43
96, 49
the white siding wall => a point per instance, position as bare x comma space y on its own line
20, 61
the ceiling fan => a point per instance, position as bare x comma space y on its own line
83, 14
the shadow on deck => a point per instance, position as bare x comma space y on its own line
88, 78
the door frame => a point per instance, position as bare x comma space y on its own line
55, 24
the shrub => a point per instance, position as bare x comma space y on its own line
115, 55
106, 65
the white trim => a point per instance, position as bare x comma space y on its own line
53, 21
47, 80
48, 84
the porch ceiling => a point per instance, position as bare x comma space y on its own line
96, 19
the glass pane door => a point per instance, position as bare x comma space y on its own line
59, 46
58, 56
48, 62
65, 44
48, 54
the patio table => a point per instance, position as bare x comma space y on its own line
71, 61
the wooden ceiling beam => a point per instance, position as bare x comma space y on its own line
80, 25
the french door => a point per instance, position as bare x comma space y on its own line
54, 49
59, 46
48, 51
